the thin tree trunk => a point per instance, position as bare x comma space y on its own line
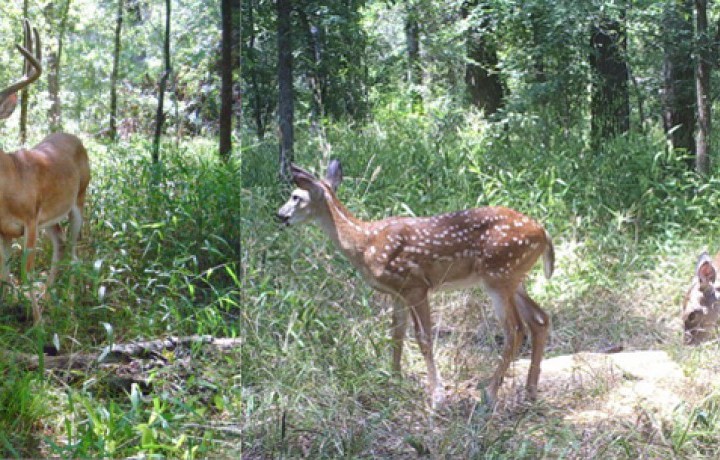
482, 77
538, 55
257, 103
160, 115
412, 41
227, 81
315, 78
610, 105
285, 83
237, 66
54, 66
678, 95
241, 112
702, 81
116, 70
24, 94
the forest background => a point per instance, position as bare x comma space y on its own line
594, 117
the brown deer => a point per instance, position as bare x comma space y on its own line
42, 186
410, 257
701, 306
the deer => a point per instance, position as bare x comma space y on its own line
701, 305
411, 257
41, 186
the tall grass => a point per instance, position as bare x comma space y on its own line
627, 222
158, 255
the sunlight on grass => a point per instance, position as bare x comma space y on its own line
627, 228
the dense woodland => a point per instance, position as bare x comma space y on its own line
619, 68
593, 117
151, 88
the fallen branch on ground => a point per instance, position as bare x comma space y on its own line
119, 352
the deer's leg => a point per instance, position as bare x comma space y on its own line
507, 314
417, 302
56, 235
4, 259
30, 243
399, 325
539, 323
75, 226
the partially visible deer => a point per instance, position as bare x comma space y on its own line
410, 257
42, 186
701, 306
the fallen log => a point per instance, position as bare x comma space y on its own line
115, 353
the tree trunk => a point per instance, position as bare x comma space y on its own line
24, 94
226, 67
160, 115
412, 40
610, 104
316, 78
55, 61
702, 83
237, 65
256, 100
482, 76
115, 70
241, 95
285, 83
678, 96
537, 31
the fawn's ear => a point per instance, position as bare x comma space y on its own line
334, 174
7, 104
705, 270
305, 180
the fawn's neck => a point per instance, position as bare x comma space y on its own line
350, 234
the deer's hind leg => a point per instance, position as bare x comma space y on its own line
539, 323
399, 325
503, 301
58, 241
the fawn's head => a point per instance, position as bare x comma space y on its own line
308, 200
701, 307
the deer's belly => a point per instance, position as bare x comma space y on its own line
437, 275
15, 228
472, 280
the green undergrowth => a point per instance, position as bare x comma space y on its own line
628, 223
158, 256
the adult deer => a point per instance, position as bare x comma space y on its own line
410, 257
701, 306
42, 186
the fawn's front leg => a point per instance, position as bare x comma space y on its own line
417, 302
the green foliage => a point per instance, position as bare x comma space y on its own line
22, 410
317, 348
158, 255
145, 425
695, 432
328, 51
164, 240
87, 63
174, 222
